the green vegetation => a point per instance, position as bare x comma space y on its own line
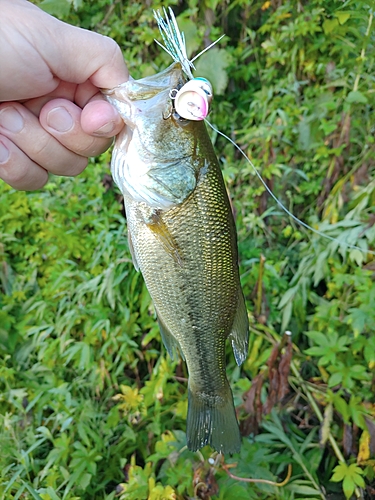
91, 406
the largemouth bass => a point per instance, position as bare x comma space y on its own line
182, 237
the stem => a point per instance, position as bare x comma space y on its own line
262, 481
318, 413
259, 292
363, 51
198, 486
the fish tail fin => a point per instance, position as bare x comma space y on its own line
212, 420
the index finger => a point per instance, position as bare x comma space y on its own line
40, 51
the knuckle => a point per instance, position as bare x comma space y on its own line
112, 45
40, 148
116, 51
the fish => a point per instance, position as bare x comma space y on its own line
182, 238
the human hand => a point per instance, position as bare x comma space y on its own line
54, 116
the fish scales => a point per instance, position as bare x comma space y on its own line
183, 239
201, 294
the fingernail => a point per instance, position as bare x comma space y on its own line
60, 119
4, 153
11, 120
105, 129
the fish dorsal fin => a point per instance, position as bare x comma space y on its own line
170, 342
239, 336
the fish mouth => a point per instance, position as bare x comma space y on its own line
135, 97
148, 87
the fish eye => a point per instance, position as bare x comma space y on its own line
205, 85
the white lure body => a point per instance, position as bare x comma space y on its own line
193, 100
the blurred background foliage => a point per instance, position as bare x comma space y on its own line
91, 407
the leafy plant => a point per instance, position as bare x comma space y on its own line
91, 406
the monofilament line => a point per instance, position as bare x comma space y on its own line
296, 219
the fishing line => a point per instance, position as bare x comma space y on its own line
283, 207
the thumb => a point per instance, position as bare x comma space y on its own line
85, 55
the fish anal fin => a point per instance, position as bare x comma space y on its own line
212, 420
170, 342
239, 336
160, 231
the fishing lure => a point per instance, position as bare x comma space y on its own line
192, 100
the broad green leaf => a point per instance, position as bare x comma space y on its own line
348, 485
339, 472
342, 407
212, 65
330, 25
287, 314
77, 4
159, 492
357, 411
323, 340
342, 16
288, 296
357, 256
49, 494
316, 351
335, 379
355, 96
302, 489
304, 135
351, 475
358, 319
84, 480
352, 479
58, 8
189, 28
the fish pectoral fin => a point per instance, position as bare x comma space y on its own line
239, 336
132, 251
161, 233
170, 342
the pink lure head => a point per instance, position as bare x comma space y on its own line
193, 99
191, 105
